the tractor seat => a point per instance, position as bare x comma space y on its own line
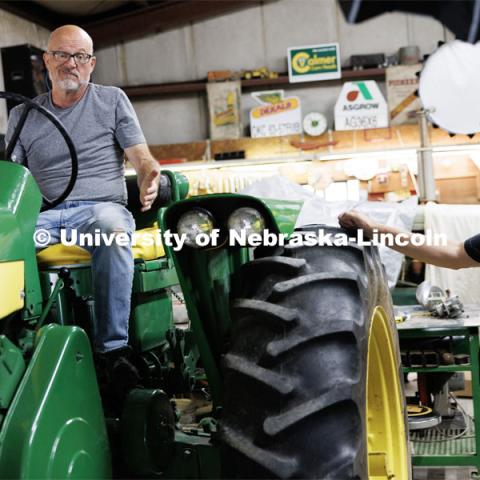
59, 255
144, 249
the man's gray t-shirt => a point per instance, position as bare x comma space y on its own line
101, 124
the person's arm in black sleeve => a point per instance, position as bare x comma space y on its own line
454, 255
472, 247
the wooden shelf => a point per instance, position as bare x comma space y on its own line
182, 88
160, 89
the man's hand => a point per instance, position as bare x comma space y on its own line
356, 220
149, 189
148, 173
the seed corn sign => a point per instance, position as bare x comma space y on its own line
360, 106
314, 62
275, 115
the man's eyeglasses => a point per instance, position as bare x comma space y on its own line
79, 57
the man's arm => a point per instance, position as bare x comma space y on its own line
148, 173
452, 255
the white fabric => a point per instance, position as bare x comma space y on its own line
318, 211
458, 222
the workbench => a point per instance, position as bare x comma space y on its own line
432, 449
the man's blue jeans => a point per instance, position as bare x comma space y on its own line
112, 266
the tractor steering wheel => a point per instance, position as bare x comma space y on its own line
29, 105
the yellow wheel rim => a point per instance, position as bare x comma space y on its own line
386, 435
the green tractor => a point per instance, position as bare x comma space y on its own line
293, 348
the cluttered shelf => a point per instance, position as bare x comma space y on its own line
383, 161
331, 144
195, 86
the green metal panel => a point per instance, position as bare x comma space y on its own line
55, 427
285, 213
179, 183
153, 275
157, 264
150, 320
80, 279
20, 201
148, 276
12, 367
151, 311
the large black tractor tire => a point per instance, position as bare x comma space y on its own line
296, 400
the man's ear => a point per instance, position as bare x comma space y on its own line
46, 58
94, 62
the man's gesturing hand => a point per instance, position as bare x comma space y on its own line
356, 220
148, 173
149, 189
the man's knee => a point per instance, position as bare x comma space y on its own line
112, 218
47, 229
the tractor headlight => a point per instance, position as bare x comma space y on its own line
246, 220
193, 223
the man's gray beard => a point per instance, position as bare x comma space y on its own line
70, 85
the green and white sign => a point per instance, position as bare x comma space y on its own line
314, 62
360, 105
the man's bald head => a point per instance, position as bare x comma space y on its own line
70, 34
68, 47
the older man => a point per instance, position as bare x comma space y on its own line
104, 128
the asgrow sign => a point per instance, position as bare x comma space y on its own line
314, 62
360, 105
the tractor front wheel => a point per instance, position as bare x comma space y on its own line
312, 379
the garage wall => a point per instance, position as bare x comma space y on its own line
16, 31
248, 39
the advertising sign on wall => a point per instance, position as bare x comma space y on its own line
224, 110
276, 115
314, 62
402, 83
360, 105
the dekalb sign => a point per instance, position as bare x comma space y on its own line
314, 62
286, 105
275, 115
360, 105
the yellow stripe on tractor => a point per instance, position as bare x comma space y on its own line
12, 287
